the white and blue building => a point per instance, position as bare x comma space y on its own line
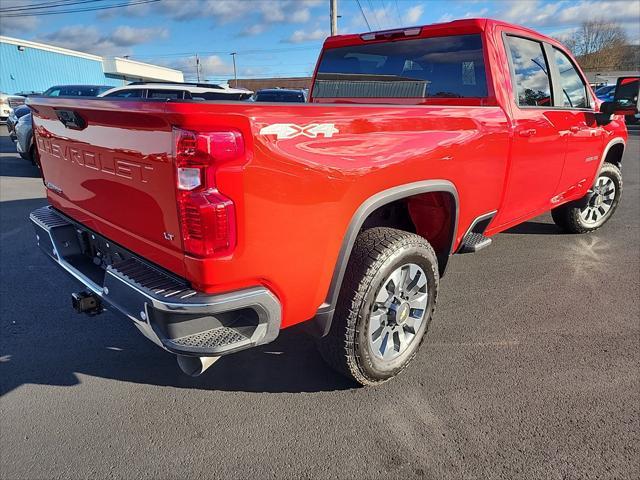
31, 66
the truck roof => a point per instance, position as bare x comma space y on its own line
465, 26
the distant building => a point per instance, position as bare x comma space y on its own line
256, 84
608, 77
30, 66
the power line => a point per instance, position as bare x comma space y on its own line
398, 13
43, 5
363, 15
373, 12
226, 52
77, 10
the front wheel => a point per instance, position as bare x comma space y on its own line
385, 306
596, 207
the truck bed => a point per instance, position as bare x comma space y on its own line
304, 170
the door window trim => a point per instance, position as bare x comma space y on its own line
557, 80
512, 72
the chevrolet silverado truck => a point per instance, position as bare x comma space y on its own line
213, 225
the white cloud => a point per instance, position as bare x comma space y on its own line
91, 40
412, 15
210, 66
386, 17
17, 25
300, 36
252, 30
537, 14
447, 17
477, 13
129, 36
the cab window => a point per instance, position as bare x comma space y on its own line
530, 72
126, 94
574, 90
165, 94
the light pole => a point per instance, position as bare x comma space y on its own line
235, 73
333, 11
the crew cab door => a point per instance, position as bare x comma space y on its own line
585, 138
539, 141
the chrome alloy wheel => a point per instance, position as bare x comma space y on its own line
398, 312
599, 202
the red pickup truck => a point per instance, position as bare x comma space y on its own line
214, 225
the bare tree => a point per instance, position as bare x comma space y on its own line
598, 44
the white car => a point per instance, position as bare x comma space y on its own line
8, 103
178, 91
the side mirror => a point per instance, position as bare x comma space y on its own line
626, 100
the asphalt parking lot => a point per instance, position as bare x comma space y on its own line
531, 370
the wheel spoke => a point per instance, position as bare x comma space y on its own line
376, 321
393, 285
380, 344
404, 278
584, 213
398, 340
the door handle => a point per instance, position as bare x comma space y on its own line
527, 133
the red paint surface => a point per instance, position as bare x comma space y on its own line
294, 198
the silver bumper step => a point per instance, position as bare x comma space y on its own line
164, 307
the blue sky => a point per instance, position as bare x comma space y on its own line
273, 37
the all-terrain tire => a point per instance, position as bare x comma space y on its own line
377, 254
570, 217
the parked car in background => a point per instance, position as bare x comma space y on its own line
12, 120
5, 108
178, 91
76, 90
23, 129
280, 95
606, 93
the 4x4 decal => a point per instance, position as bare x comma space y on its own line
291, 130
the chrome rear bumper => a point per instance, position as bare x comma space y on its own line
162, 306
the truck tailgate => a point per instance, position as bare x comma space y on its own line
109, 166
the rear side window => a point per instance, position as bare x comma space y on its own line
530, 72
574, 90
137, 93
445, 67
279, 97
165, 94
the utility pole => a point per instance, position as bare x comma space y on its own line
333, 10
198, 67
235, 73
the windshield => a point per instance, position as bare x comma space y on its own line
280, 97
76, 91
605, 90
449, 67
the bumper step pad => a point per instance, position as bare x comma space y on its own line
163, 306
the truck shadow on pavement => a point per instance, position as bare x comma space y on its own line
43, 341
535, 228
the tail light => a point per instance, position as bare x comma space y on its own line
207, 217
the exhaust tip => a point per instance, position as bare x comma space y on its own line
195, 366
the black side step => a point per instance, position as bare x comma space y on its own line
475, 239
472, 242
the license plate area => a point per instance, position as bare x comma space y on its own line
95, 254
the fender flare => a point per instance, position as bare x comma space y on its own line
321, 323
605, 152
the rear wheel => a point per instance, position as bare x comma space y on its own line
385, 306
596, 207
